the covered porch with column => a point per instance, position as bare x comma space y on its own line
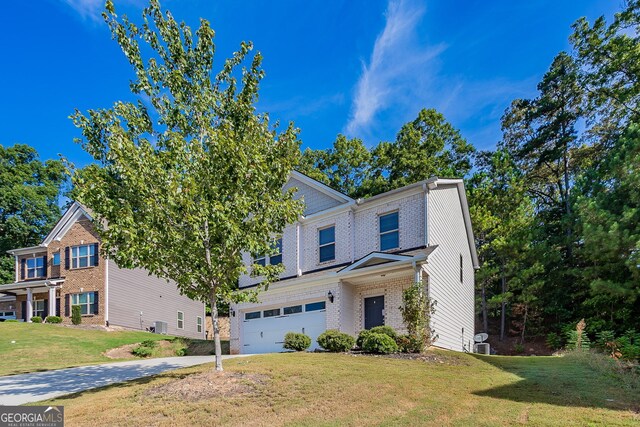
36, 298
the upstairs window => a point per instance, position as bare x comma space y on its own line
180, 324
35, 267
84, 256
274, 259
389, 231
327, 243
56, 259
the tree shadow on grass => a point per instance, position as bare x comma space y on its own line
560, 381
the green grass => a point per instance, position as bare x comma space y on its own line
29, 347
337, 389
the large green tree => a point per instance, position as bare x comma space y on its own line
29, 195
425, 147
188, 181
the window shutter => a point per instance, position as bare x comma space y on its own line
23, 269
67, 303
96, 303
24, 311
44, 265
46, 309
96, 257
67, 258
57, 313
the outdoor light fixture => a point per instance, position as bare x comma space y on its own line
330, 296
233, 312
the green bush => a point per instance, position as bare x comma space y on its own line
572, 341
53, 319
554, 341
409, 344
12, 321
181, 351
36, 319
518, 348
386, 330
629, 345
336, 341
76, 314
379, 343
296, 341
361, 336
144, 349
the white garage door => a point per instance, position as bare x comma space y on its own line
263, 331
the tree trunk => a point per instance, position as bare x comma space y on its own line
216, 330
504, 304
524, 323
567, 202
485, 320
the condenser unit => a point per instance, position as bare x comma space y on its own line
160, 327
482, 348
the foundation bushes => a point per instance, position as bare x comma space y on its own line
296, 341
336, 341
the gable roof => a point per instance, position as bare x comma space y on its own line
74, 213
374, 258
341, 197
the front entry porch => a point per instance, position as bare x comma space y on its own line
37, 298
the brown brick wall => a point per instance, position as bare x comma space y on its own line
79, 280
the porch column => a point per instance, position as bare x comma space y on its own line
52, 302
29, 304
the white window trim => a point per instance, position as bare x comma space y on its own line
395, 230
199, 324
89, 304
75, 259
36, 310
35, 268
53, 257
178, 320
320, 246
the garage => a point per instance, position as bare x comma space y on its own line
263, 330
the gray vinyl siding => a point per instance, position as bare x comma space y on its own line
132, 292
455, 300
314, 200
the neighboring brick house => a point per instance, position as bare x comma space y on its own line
346, 263
67, 269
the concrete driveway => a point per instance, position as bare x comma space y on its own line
28, 388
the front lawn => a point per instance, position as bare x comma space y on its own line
330, 389
31, 347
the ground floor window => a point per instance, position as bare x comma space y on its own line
315, 306
38, 308
86, 301
199, 323
180, 320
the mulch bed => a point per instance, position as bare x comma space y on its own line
207, 385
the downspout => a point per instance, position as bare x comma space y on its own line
352, 218
106, 291
298, 263
426, 215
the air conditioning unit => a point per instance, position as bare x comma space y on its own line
160, 327
482, 348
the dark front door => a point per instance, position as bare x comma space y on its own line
373, 312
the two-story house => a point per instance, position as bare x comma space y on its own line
346, 263
66, 269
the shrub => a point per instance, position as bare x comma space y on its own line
361, 336
296, 341
409, 344
12, 321
53, 319
144, 349
577, 339
554, 341
379, 343
336, 341
629, 345
181, 351
417, 310
36, 319
76, 314
518, 348
386, 330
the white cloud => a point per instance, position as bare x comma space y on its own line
398, 66
87, 9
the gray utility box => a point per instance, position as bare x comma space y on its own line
160, 327
482, 348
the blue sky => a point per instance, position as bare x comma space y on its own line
358, 67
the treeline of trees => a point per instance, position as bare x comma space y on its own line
556, 206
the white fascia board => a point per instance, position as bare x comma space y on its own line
73, 214
29, 250
317, 216
321, 187
372, 255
